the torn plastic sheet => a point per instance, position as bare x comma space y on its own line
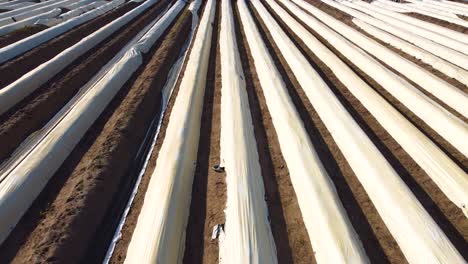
23, 180
166, 96
217, 231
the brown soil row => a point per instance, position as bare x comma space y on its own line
120, 250
68, 217
445, 213
19, 35
439, 22
17, 67
37, 109
209, 187
289, 232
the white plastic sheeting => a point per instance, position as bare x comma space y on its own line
15, 2
8, 6
437, 63
410, 8
77, 4
452, 39
167, 90
23, 180
35, 8
81, 10
247, 236
159, 235
15, 92
49, 22
431, 26
418, 235
19, 47
441, 8
444, 123
455, 57
33, 12
331, 234
450, 178
389, 6
421, 6
452, 4
444, 91
26, 22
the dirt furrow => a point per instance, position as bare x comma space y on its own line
447, 215
33, 112
17, 67
69, 221
439, 22
19, 35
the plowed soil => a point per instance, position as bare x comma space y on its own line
19, 34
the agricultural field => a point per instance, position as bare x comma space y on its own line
233, 131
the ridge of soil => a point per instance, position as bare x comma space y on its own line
19, 35
438, 22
